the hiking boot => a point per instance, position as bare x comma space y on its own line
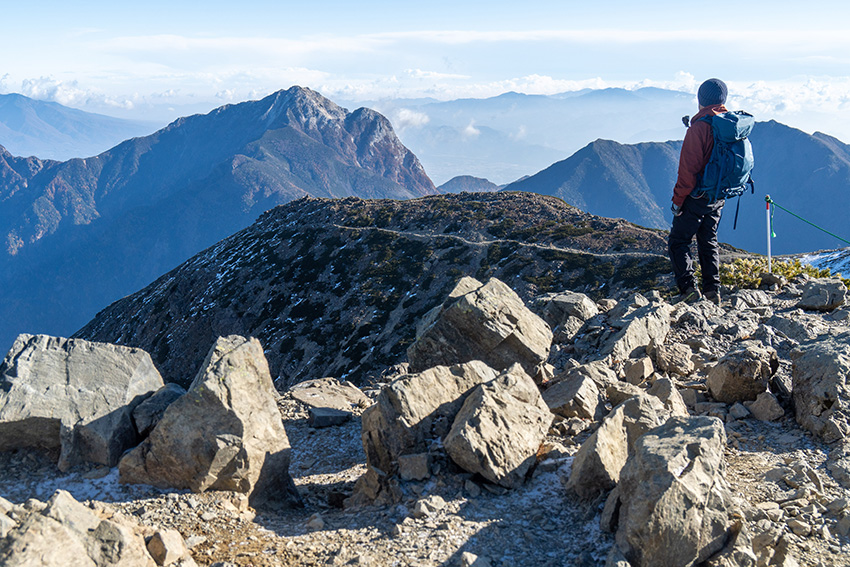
713, 296
689, 296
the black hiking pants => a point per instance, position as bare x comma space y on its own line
700, 219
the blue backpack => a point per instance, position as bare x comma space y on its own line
728, 171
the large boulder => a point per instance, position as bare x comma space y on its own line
416, 408
598, 462
823, 294
65, 533
675, 501
73, 395
821, 387
636, 330
149, 412
499, 429
225, 433
742, 374
487, 322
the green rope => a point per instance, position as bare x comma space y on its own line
772, 202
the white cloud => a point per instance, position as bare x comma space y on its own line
70, 93
420, 74
406, 118
471, 131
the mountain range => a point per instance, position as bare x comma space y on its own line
336, 287
49, 130
806, 174
82, 233
505, 137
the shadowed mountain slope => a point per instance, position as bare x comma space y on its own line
336, 287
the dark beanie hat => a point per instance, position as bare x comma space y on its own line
712, 92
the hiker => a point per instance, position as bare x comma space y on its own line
697, 215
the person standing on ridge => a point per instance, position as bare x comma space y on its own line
697, 216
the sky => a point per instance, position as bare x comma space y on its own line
156, 60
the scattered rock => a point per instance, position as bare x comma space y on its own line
766, 407
326, 417
648, 323
823, 294
674, 498
738, 411
229, 422
557, 307
167, 547
64, 533
675, 358
415, 408
414, 467
638, 370
743, 374
598, 462
330, 393
486, 322
499, 429
148, 413
428, 506
619, 392
821, 387
73, 395
665, 390
575, 396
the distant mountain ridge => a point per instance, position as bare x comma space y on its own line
505, 137
49, 130
807, 174
81, 233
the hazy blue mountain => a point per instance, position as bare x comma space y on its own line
519, 134
806, 174
49, 130
469, 184
82, 233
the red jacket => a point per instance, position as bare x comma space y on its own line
696, 151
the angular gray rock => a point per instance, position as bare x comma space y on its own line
330, 393
743, 374
148, 413
821, 387
416, 408
499, 429
327, 417
65, 533
665, 390
798, 325
575, 396
638, 369
73, 395
766, 407
557, 307
675, 358
486, 322
598, 371
225, 433
823, 294
637, 329
674, 499
598, 462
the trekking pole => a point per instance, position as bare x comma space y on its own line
769, 231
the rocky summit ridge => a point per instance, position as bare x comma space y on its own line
626, 432
336, 287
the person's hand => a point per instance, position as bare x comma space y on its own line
677, 210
